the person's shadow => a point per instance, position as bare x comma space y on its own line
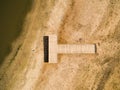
12, 15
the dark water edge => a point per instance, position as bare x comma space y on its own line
12, 16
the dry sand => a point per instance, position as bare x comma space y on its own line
75, 22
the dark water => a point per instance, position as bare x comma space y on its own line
12, 15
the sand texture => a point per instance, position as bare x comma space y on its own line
74, 22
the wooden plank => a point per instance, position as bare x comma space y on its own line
84, 48
52, 49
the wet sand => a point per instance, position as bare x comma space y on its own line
12, 18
